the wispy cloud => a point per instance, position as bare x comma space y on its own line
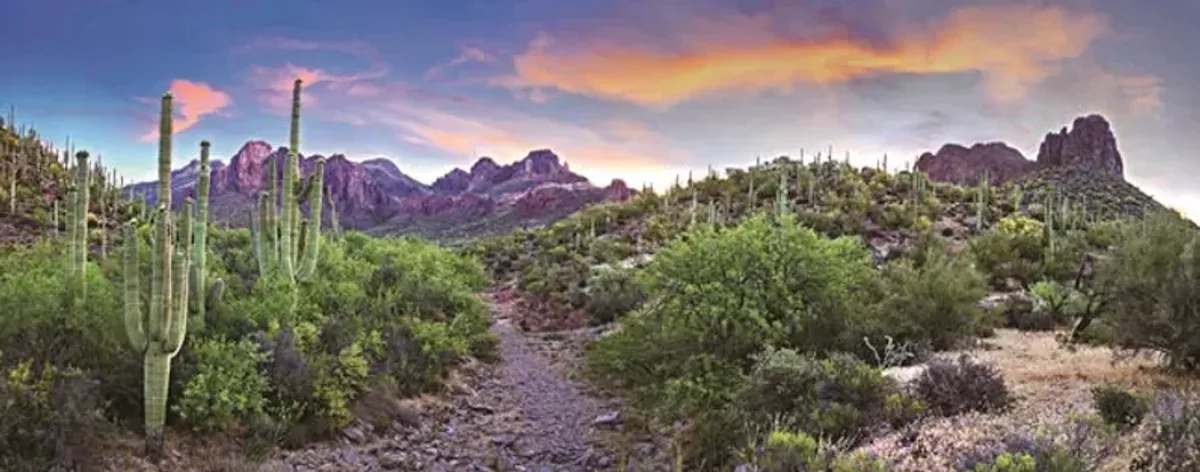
1013, 48
468, 54
192, 101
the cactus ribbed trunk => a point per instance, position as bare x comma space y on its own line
200, 240
79, 209
159, 334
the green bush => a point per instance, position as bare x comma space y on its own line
1003, 256
50, 419
836, 398
1150, 280
934, 304
227, 387
718, 299
1120, 407
612, 292
785, 451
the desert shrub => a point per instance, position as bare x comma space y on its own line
50, 419
1174, 442
612, 292
950, 388
1120, 407
227, 387
836, 398
1061, 301
1004, 256
934, 304
717, 299
1024, 313
1083, 444
1150, 279
785, 451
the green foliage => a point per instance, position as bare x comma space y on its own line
1004, 256
50, 419
1120, 407
1009, 462
785, 451
933, 304
1151, 278
227, 387
612, 292
836, 398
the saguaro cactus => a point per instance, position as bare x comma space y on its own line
284, 254
200, 245
159, 333
80, 196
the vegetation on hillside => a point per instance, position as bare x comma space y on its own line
754, 314
277, 336
751, 310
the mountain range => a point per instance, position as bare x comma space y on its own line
375, 196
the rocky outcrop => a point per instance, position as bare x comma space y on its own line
376, 194
1089, 144
955, 163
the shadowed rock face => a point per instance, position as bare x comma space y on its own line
1088, 144
376, 193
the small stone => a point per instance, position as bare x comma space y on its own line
608, 419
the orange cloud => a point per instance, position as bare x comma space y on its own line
1013, 47
192, 101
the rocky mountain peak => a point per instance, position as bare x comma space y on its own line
1089, 143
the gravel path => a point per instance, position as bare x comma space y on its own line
519, 414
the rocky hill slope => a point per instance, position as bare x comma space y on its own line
377, 197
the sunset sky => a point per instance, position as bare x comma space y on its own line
641, 90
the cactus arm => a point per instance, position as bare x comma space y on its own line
160, 283
178, 317
259, 234
200, 237
312, 237
270, 225
131, 281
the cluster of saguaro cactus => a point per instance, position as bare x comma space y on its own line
286, 244
159, 333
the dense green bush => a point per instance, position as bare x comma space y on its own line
1150, 278
932, 304
1007, 256
612, 292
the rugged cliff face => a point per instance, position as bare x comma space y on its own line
376, 195
1088, 145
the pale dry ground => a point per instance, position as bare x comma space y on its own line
1051, 384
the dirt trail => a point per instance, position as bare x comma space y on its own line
519, 414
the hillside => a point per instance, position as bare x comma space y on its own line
789, 316
375, 196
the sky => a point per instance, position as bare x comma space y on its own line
641, 90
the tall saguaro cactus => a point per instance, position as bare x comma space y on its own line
159, 333
277, 240
80, 195
200, 245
